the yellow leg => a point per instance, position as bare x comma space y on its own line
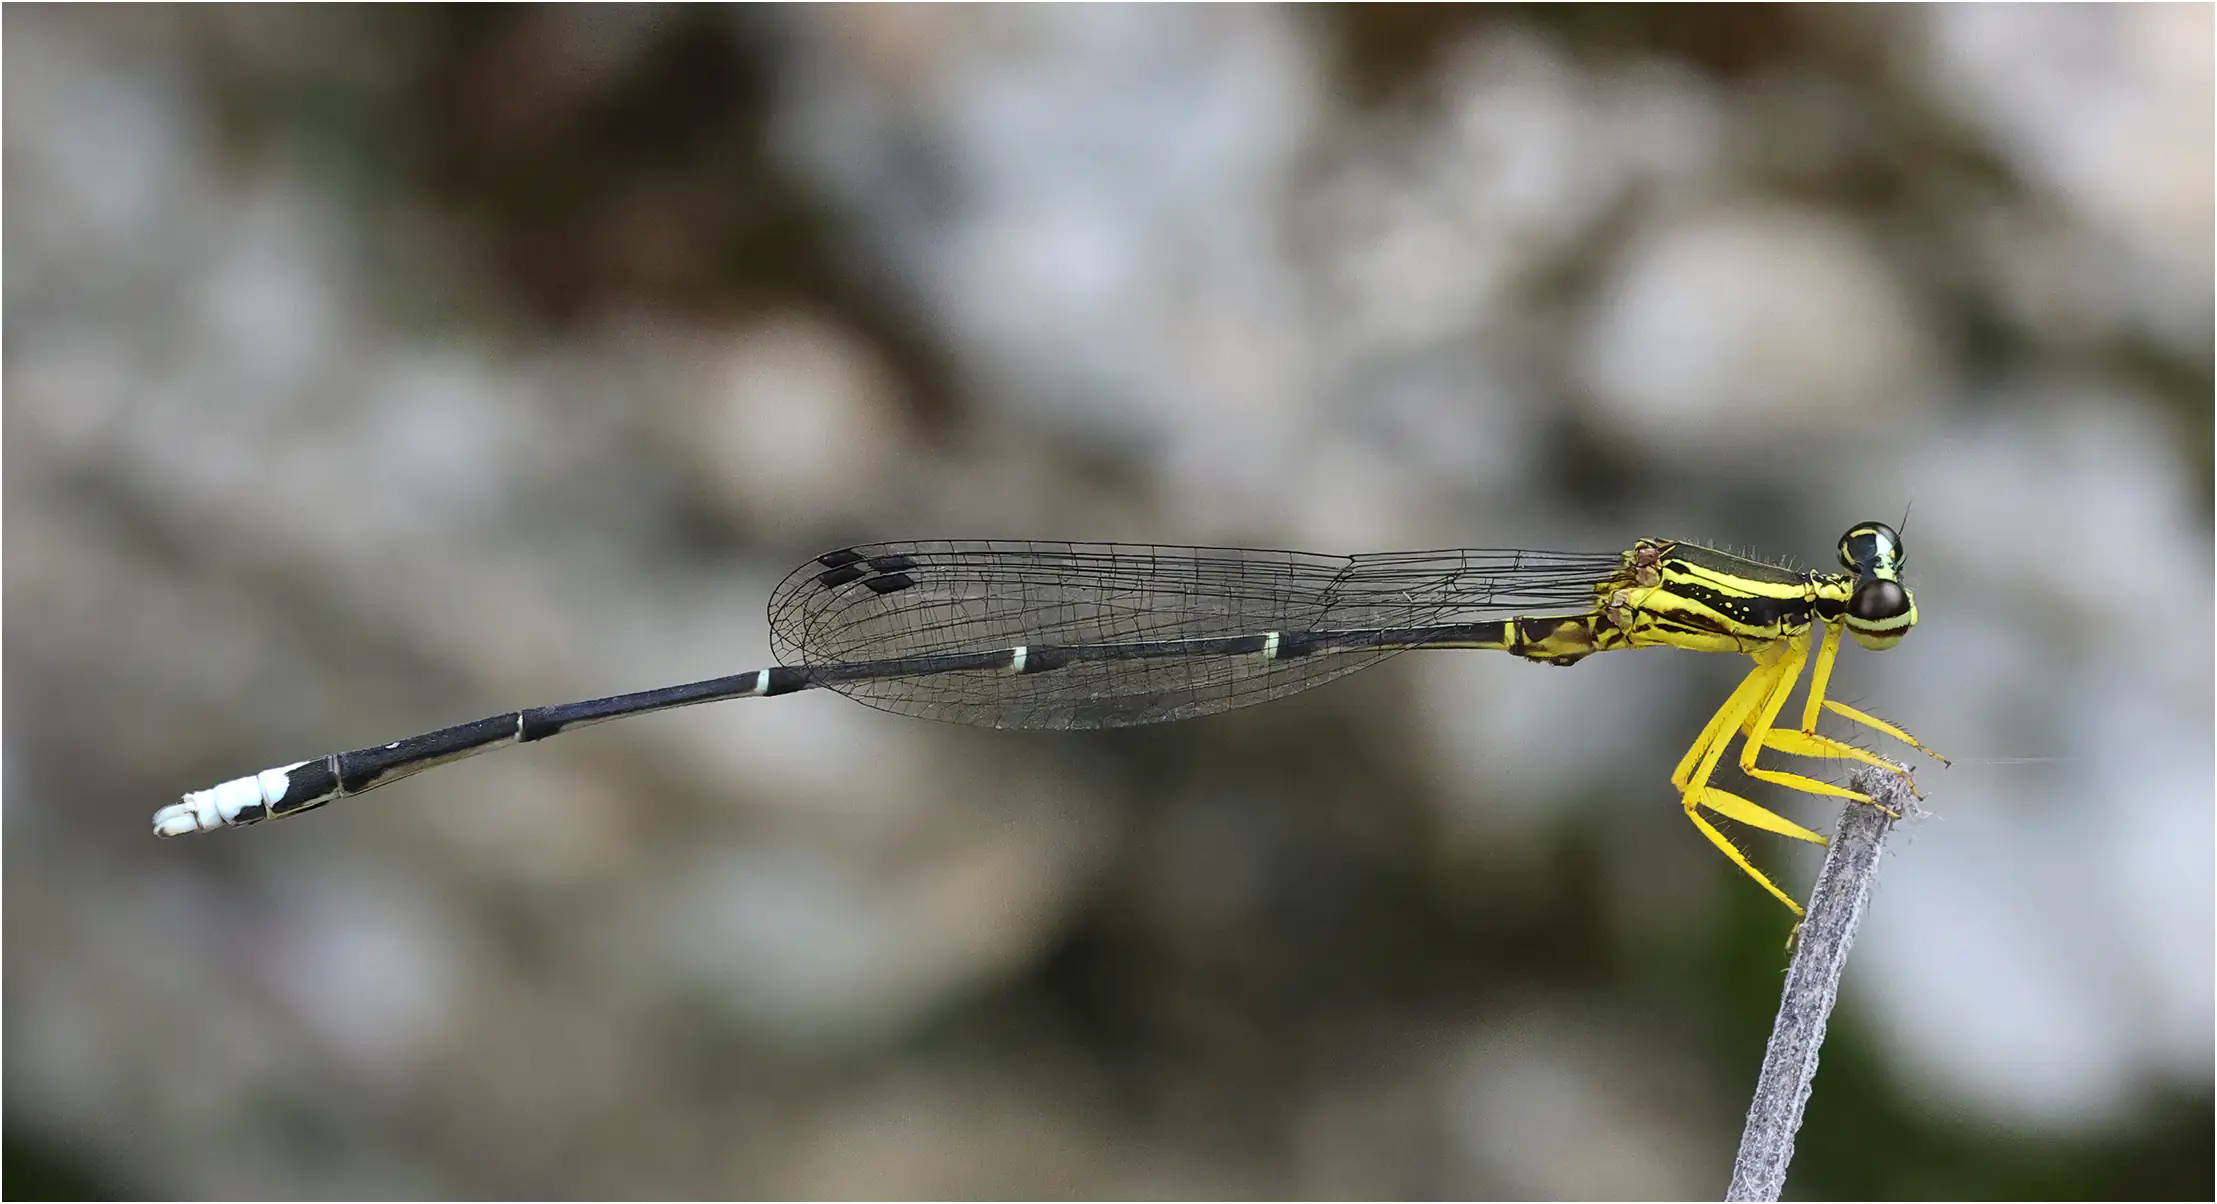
1778, 678
1759, 731
1828, 650
1763, 689
1809, 743
1720, 727
1820, 680
1739, 859
1801, 744
1875, 723
1752, 712
1732, 806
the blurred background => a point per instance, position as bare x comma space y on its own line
370, 370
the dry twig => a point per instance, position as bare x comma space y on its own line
1812, 984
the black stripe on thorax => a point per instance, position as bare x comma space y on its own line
1754, 610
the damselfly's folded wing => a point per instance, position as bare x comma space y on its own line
1123, 634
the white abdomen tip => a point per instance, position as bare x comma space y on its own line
199, 811
207, 810
178, 818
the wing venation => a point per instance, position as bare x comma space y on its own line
893, 601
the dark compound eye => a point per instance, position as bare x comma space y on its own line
1877, 601
1885, 541
1869, 543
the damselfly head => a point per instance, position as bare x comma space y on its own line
1882, 610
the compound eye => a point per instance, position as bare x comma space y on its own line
1877, 601
1868, 544
1887, 542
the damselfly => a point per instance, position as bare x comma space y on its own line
1093, 635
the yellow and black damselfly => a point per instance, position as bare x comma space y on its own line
1092, 635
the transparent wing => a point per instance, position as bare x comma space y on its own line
892, 601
